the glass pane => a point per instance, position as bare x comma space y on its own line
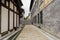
4, 20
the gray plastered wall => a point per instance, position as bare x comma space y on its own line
51, 18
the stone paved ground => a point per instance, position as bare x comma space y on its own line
31, 32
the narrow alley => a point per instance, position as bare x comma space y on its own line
29, 19
31, 32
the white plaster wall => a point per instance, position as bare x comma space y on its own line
17, 20
11, 20
15, 8
51, 18
4, 19
14, 20
2, 1
11, 5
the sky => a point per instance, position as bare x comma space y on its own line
26, 5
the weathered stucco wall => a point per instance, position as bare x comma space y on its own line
51, 18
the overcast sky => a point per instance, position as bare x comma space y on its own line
26, 5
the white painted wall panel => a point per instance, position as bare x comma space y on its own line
11, 20
6, 3
17, 20
14, 20
2, 1
4, 19
11, 5
15, 8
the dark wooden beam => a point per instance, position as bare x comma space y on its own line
31, 4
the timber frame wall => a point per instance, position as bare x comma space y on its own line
6, 4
